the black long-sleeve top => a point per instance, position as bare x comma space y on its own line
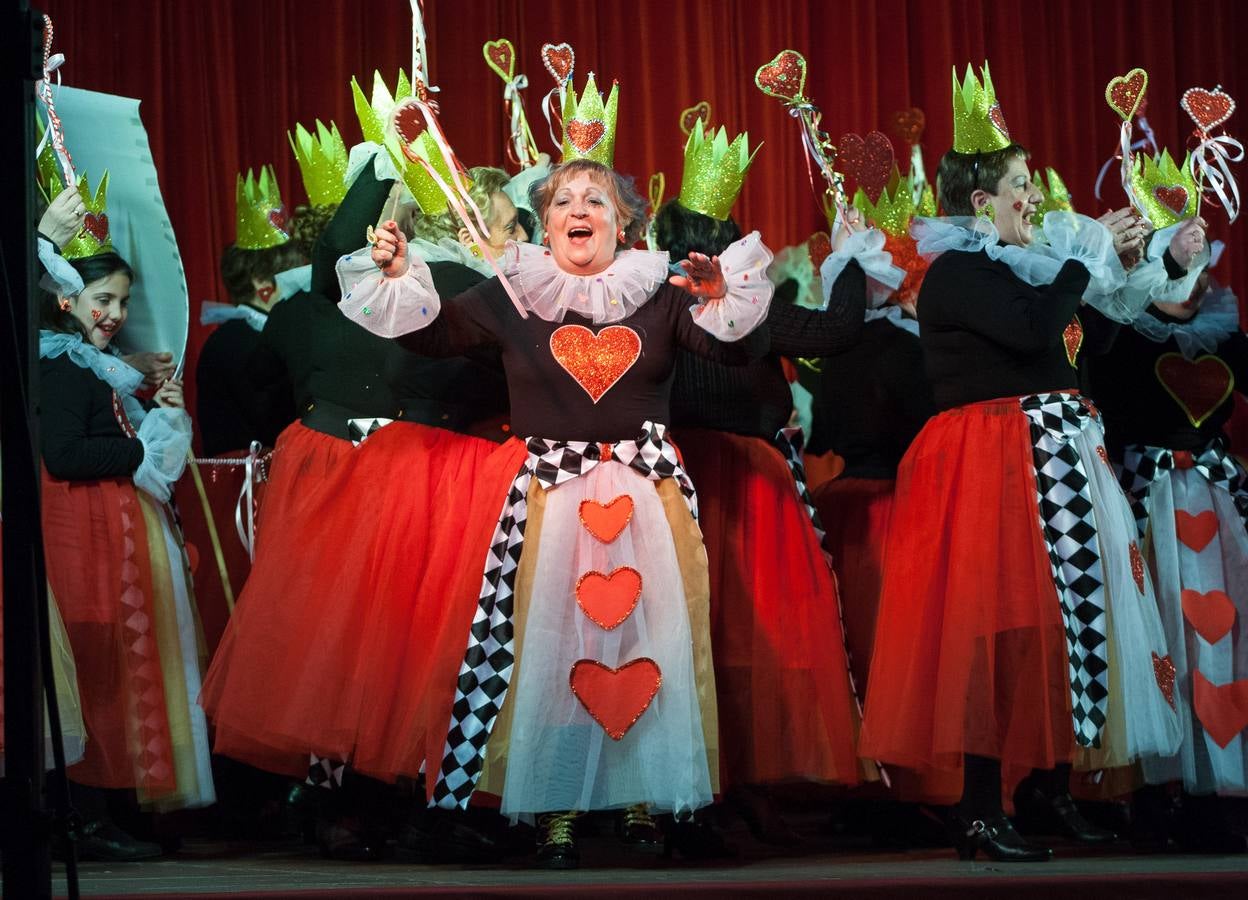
1128, 389
78, 432
546, 400
986, 333
869, 401
755, 399
232, 409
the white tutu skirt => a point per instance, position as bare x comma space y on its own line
1141, 720
560, 757
1203, 596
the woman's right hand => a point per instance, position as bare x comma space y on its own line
390, 249
850, 225
1128, 230
64, 217
169, 395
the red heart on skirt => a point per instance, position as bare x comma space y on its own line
606, 521
1222, 709
1212, 614
1163, 672
609, 599
1199, 386
1196, 531
616, 698
596, 361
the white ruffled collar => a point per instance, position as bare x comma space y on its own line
106, 365
1216, 320
611, 295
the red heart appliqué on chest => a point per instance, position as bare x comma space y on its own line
616, 698
1199, 386
608, 600
596, 361
1072, 337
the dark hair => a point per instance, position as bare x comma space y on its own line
239, 267
679, 230
308, 225
630, 206
92, 269
528, 222
961, 174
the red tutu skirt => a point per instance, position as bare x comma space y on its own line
348, 636
785, 706
970, 650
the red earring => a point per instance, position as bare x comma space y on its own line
64, 304
620, 236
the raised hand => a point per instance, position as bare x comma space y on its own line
1188, 241
64, 217
851, 224
703, 277
389, 249
1129, 231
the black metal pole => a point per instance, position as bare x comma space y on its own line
27, 868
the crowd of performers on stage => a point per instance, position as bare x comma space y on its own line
540, 537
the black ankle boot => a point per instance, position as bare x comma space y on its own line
996, 837
1042, 813
556, 841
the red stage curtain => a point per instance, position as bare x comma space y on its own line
221, 83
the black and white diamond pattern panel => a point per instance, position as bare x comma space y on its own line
485, 673
324, 773
1069, 529
359, 429
1142, 465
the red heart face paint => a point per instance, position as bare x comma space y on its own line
1018, 206
96, 313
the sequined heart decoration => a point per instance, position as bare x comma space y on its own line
96, 225
608, 600
1072, 337
1222, 709
409, 121
616, 698
1195, 531
1212, 614
908, 124
1173, 198
596, 361
500, 56
1199, 386
869, 161
819, 246
1124, 92
997, 118
606, 521
1208, 109
1163, 672
278, 218
1137, 566
699, 112
585, 136
783, 77
559, 60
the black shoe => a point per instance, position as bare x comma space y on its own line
639, 831
696, 838
996, 837
556, 845
103, 841
347, 840
1041, 814
441, 836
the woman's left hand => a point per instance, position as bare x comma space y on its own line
703, 277
1188, 241
851, 224
156, 367
169, 395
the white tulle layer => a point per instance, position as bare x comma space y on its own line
560, 758
1217, 320
1136, 631
1220, 566
867, 249
166, 437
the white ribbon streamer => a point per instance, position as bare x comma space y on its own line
1210, 165
1149, 140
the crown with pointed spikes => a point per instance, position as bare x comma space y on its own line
1056, 195
1165, 192
94, 236
927, 202
322, 159
376, 117
894, 210
714, 171
260, 214
48, 170
588, 124
978, 124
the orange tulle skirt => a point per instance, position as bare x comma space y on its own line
347, 639
785, 706
970, 651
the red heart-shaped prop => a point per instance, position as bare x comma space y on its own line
96, 225
596, 361
500, 56
1212, 614
409, 121
784, 76
997, 118
559, 61
278, 218
616, 698
1199, 386
699, 112
1137, 566
869, 161
1222, 709
609, 599
908, 124
1196, 531
1208, 109
1072, 337
1163, 672
1124, 92
819, 246
1172, 197
585, 136
606, 521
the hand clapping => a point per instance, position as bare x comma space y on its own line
703, 277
